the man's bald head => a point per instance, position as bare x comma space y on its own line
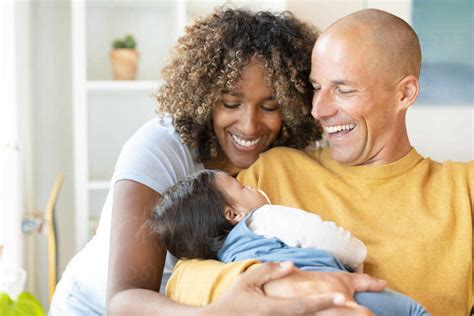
364, 71
392, 43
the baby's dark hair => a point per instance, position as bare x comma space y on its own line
190, 217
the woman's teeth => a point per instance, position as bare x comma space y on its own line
245, 143
338, 128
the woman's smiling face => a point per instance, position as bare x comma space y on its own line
246, 123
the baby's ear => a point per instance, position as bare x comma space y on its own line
231, 215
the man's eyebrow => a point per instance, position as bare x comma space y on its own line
341, 82
336, 82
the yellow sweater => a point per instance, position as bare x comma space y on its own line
414, 215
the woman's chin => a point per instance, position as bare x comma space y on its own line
243, 164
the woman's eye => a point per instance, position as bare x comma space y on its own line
231, 105
269, 108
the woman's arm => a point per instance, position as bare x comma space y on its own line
137, 258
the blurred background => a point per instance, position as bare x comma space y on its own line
62, 112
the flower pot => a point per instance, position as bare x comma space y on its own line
124, 63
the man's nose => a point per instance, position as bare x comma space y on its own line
322, 105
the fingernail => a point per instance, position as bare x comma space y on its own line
339, 299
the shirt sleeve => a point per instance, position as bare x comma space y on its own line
199, 283
471, 190
155, 157
251, 175
298, 228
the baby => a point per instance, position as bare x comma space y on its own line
210, 215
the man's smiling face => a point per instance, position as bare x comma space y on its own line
354, 100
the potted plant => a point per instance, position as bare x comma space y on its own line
12, 281
124, 58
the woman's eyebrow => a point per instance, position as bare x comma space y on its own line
238, 95
232, 93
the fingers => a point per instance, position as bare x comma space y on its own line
308, 305
265, 273
346, 310
364, 282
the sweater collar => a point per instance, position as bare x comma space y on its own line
392, 169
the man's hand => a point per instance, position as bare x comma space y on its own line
303, 284
247, 296
360, 268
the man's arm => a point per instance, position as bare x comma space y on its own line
219, 277
249, 289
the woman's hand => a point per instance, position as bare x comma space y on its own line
247, 295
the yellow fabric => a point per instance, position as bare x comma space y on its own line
414, 215
198, 282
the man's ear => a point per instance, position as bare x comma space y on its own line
408, 88
231, 215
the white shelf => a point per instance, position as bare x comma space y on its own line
107, 112
98, 185
127, 104
123, 85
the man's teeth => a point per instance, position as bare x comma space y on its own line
245, 143
338, 128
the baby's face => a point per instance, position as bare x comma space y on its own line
245, 198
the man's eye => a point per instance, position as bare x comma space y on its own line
345, 91
231, 105
316, 89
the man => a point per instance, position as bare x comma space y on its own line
414, 214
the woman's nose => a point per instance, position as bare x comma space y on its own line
248, 122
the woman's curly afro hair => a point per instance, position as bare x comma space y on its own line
209, 59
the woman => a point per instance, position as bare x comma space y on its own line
235, 86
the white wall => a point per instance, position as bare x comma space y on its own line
442, 132
51, 127
323, 13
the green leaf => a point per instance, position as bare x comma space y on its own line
118, 44
129, 42
5, 303
25, 305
